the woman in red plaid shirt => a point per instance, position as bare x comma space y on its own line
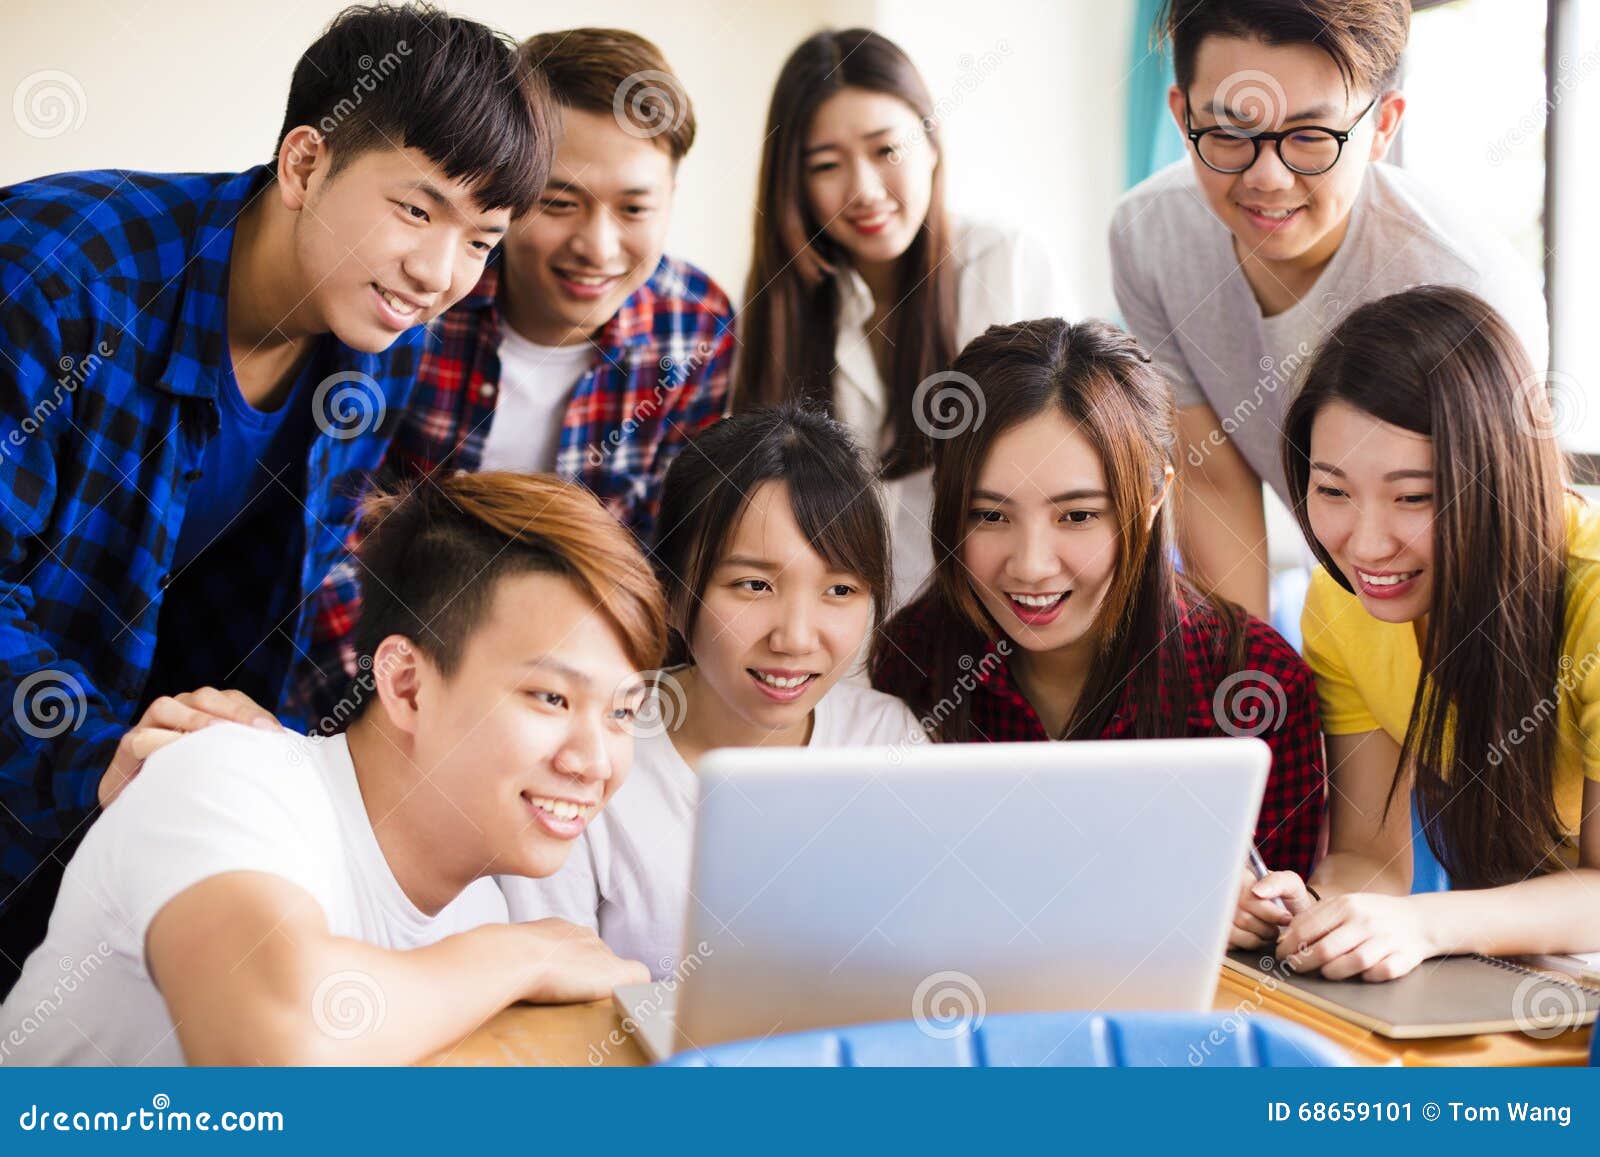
1056, 610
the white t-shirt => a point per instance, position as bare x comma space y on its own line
1002, 276
536, 383
628, 876
223, 799
1184, 296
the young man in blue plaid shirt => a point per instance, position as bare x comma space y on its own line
586, 351
195, 373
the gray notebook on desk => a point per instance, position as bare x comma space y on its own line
1445, 996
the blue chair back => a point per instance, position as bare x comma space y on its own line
1427, 873
1049, 1039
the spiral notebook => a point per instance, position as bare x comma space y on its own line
1445, 996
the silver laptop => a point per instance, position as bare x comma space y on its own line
942, 883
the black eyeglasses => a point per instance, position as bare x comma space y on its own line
1308, 151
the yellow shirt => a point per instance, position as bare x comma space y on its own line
1367, 670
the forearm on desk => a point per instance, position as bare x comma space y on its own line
1559, 912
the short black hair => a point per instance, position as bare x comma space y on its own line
832, 491
411, 75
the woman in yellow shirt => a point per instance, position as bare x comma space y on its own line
1455, 637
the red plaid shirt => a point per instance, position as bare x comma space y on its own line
1292, 808
658, 377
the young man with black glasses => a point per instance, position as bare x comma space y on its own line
1232, 266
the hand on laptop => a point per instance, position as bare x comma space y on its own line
170, 718
1265, 907
574, 964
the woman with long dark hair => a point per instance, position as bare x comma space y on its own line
862, 288
1057, 611
774, 554
1454, 630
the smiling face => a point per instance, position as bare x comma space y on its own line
1275, 214
387, 243
595, 236
530, 735
1041, 543
1371, 505
869, 174
777, 626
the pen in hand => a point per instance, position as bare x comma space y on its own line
1258, 868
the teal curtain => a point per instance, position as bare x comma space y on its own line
1153, 141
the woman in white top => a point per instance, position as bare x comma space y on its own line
774, 553
861, 289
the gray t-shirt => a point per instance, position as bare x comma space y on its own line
628, 875
1184, 296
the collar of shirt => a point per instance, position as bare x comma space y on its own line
859, 396
202, 338
632, 325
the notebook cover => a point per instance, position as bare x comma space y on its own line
1444, 996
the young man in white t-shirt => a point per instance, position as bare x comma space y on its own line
1232, 266
261, 897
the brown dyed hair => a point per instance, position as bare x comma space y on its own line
607, 70
832, 493
432, 553
1365, 38
1440, 362
790, 319
1096, 376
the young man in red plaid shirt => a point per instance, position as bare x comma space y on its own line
585, 350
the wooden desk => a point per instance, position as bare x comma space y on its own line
591, 1034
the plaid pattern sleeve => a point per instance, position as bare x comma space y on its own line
114, 333
1270, 693
61, 727
659, 376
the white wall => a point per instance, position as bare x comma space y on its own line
1033, 105
191, 85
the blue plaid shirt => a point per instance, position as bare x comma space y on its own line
114, 291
